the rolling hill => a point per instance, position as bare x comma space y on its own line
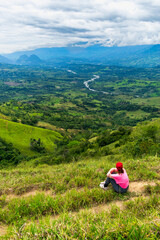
20, 134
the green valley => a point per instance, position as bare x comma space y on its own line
58, 139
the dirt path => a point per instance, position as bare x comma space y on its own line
3, 230
140, 186
137, 186
28, 194
108, 206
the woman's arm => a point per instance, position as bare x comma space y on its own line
109, 174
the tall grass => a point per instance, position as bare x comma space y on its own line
86, 173
87, 224
35, 206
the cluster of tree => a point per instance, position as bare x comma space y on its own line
29, 120
8, 154
109, 137
37, 145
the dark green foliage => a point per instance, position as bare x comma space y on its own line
37, 145
8, 154
108, 138
142, 146
29, 121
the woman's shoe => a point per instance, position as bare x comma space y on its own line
102, 186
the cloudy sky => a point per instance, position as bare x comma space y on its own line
30, 24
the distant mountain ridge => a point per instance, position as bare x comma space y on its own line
31, 60
137, 56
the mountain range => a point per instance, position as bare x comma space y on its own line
136, 56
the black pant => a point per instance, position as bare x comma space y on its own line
116, 186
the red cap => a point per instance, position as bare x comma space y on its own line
119, 165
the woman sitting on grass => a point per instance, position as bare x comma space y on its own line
118, 178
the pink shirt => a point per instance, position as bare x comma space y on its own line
121, 179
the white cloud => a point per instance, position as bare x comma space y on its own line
31, 24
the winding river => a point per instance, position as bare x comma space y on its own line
86, 83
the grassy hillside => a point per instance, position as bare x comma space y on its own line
64, 201
20, 134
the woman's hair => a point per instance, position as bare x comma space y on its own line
120, 170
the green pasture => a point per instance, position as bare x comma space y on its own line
139, 114
2, 116
152, 101
20, 134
